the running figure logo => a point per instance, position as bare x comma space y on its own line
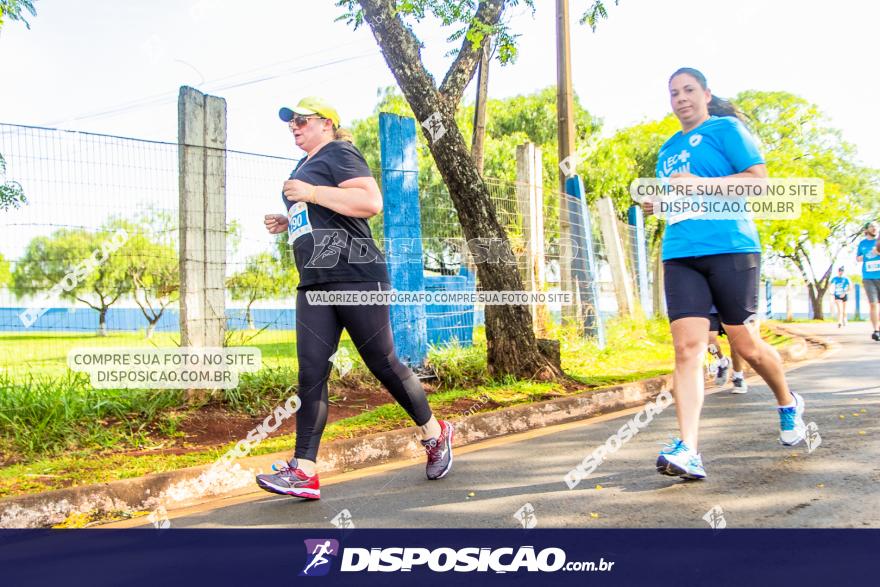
715, 518
329, 244
317, 551
341, 359
343, 520
526, 516
812, 437
434, 125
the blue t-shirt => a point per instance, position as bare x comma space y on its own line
719, 147
841, 284
870, 259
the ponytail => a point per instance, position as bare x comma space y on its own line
343, 134
721, 107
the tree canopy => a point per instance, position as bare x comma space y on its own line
15, 10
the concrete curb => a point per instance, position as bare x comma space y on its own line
183, 487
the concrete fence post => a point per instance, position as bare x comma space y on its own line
614, 250
530, 199
202, 202
639, 249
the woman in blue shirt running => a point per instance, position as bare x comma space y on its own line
708, 261
841, 293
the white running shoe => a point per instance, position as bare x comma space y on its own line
792, 429
739, 385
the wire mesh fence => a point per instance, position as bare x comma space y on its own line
94, 253
92, 257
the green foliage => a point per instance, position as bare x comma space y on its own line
154, 270
14, 8
47, 260
613, 163
145, 265
257, 393
458, 366
509, 122
11, 192
42, 415
262, 277
458, 14
5, 274
798, 142
594, 13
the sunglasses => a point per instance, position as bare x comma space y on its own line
299, 120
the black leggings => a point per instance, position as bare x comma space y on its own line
317, 336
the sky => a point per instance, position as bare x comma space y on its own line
115, 67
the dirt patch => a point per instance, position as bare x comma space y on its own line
212, 425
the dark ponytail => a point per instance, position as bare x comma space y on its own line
717, 106
721, 107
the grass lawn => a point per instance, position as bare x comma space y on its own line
38, 354
55, 431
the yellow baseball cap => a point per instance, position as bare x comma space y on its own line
310, 105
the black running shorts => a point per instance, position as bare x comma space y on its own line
730, 281
715, 324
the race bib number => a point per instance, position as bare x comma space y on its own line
298, 221
872, 265
690, 209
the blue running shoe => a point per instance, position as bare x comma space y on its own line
694, 468
792, 429
677, 459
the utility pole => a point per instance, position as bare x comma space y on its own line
479, 137
565, 136
564, 97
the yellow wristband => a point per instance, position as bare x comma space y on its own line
314, 194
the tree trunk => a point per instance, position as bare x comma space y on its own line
151, 327
816, 296
512, 346
250, 318
102, 321
789, 312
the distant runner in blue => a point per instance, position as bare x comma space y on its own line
841, 285
867, 255
708, 261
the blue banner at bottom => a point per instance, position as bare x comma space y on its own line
433, 557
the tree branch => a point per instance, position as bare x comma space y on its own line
402, 52
88, 303
462, 69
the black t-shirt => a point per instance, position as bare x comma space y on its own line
330, 247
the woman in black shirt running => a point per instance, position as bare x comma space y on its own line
329, 197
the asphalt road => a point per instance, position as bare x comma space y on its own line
752, 479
